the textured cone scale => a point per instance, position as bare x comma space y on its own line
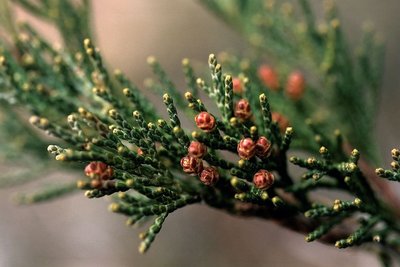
205, 121
246, 148
191, 165
197, 149
98, 170
269, 77
242, 109
263, 179
282, 121
237, 86
209, 176
263, 147
295, 86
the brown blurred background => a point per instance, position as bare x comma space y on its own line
78, 232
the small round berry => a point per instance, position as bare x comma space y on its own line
205, 121
263, 179
246, 148
295, 86
197, 149
282, 121
98, 170
269, 77
242, 109
191, 165
209, 176
263, 147
140, 152
237, 86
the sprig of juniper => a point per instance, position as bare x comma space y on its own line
292, 37
260, 116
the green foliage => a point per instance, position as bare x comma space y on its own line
101, 119
394, 173
292, 37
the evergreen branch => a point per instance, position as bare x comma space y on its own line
154, 167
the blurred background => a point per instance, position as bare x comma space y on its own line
78, 232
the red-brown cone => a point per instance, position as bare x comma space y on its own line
263, 179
